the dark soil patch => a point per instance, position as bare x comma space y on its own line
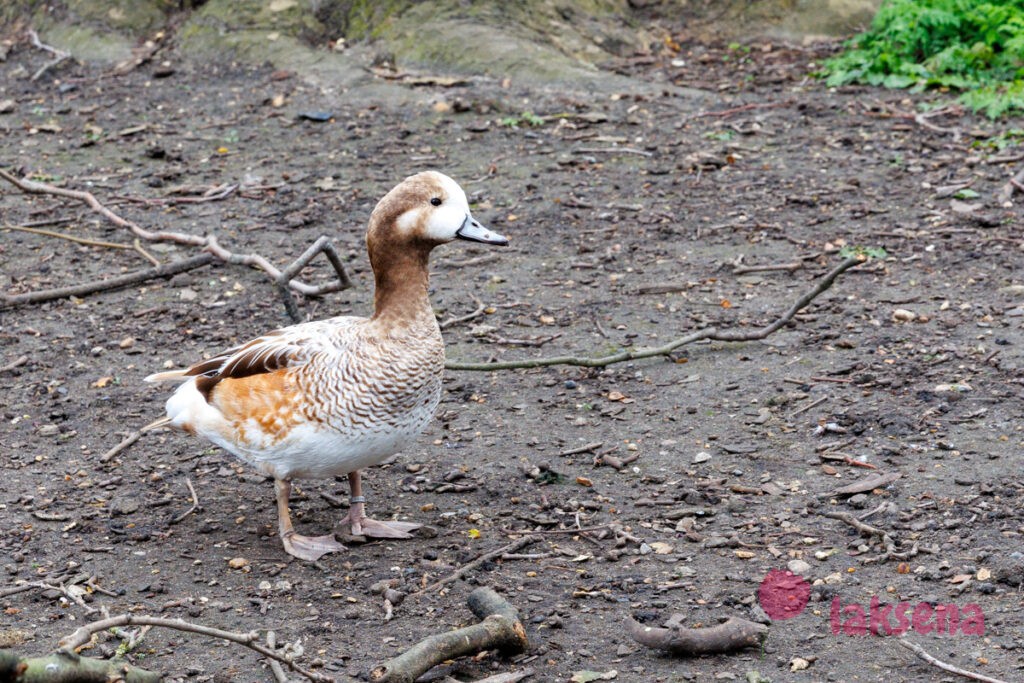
732, 478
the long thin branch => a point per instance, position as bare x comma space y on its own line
920, 652
710, 333
16, 363
131, 438
59, 56
186, 513
209, 243
70, 238
465, 569
166, 270
250, 640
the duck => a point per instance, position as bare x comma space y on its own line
327, 398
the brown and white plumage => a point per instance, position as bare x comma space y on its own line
331, 397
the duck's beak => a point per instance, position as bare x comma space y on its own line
474, 232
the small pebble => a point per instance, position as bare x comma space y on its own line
799, 567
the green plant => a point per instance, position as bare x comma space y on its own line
1007, 138
527, 118
862, 252
971, 46
723, 135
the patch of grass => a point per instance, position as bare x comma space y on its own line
971, 46
723, 135
863, 252
1009, 138
527, 118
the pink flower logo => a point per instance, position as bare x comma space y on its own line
783, 594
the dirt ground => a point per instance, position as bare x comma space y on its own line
909, 365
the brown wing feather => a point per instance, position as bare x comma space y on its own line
260, 356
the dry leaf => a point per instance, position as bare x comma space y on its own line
103, 382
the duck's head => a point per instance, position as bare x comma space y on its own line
423, 211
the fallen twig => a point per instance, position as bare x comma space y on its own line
867, 530
920, 652
500, 629
250, 640
768, 268
737, 110
614, 462
71, 238
868, 484
214, 194
275, 666
59, 56
284, 280
733, 634
195, 503
534, 341
209, 243
132, 438
465, 569
166, 270
480, 308
582, 449
813, 404
510, 677
474, 261
710, 333
1016, 183
613, 150
16, 363
20, 588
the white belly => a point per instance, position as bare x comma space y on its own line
312, 448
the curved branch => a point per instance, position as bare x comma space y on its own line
250, 640
208, 243
923, 654
499, 629
710, 333
126, 280
733, 634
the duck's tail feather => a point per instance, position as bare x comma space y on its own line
156, 424
169, 376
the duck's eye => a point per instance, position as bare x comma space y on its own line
436, 201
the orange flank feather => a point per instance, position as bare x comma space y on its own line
270, 400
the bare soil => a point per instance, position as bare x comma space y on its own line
741, 447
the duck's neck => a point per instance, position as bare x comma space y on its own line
400, 295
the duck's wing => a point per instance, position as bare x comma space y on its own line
288, 347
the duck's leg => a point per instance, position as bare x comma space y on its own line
310, 548
361, 525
